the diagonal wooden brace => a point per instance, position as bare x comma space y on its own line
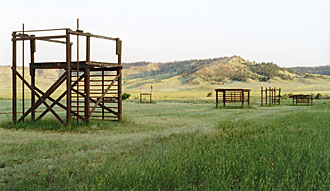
40, 98
54, 103
45, 96
57, 101
104, 93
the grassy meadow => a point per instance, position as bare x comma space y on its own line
171, 145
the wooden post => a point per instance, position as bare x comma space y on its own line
262, 93
14, 104
270, 96
266, 96
311, 100
120, 103
216, 98
33, 77
279, 96
68, 78
242, 98
77, 69
224, 98
87, 80
248, 98
102, 93
23, 74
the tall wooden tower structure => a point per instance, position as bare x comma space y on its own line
92, 89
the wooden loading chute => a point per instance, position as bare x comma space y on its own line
93, 89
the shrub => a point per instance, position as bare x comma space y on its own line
125, 96
318, 96
209, 94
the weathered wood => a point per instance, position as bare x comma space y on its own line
302, 98
59, 99
103, 94
14, 84
33, 76
45, 96
232, 95
80, 66
272, 96
68, 78
43, 100
91, 35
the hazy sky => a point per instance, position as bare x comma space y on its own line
287, 32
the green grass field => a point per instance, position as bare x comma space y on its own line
172, 146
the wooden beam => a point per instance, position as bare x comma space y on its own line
91, 35
68, 78
14, 84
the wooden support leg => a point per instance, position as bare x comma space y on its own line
32, 74
261, 101
68, 78
216, 99
86, 100
14, 98
33, 97
224, 99
242, 98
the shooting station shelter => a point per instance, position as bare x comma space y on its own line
300, 98
93, 89
146, 94
232, 95
271, 96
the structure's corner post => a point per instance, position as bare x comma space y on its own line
224, 98
68, 78
248, 98
14, 88
242, 98
120, 104
261, 101
87, 79
216, 98
33, 77
311, 100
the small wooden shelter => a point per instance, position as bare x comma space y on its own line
232, 95
301, 98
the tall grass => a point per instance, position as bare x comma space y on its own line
283, 153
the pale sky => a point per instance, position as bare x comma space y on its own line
287, 32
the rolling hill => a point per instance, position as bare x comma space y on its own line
193, 75
214, 71
324, 70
